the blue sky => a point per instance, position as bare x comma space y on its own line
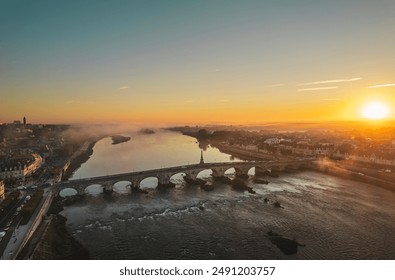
162, 55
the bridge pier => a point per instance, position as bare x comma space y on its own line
108, 188
81, 191
135, 183
191, 174
241, 172
164, 182
218, 172
164, 179
260, 170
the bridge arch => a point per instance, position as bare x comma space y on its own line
231, 171
251, 171
149, 182
205, 173
66, 192
122, 187
192, 173
94, 189
177, 178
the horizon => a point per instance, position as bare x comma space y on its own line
174, 62
303, 125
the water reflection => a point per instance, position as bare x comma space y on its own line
146, 151
122, 187
68, 192
204, 174
94, 190
149, 183
177, 178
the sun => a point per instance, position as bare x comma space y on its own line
375, 110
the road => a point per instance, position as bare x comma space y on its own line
17, 234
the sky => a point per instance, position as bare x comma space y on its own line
186, 61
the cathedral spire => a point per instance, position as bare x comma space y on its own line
201, 157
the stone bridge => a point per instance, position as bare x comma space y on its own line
164, 174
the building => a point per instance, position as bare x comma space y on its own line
307, 149
2, 191
272, 141
20, 167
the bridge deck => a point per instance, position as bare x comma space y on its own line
181, 169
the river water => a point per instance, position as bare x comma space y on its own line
334, 218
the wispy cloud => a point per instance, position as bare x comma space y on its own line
190, 101
72, 102
123, 87
331, 99
224, 100
329, 82
275, 85
383, 85
318, 88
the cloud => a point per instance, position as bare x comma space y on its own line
318, 88
331, 99
329, 81
275, 85
383, 85
123, 87
224, 100
72, 102
190, 101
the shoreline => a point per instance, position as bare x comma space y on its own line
354, 171
79, 158
342, 172
240, 153
52, 240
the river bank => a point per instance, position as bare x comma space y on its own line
367, 173
243, 154
56, 243
52, 240
343, 171
79, 157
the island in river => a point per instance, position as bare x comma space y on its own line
147, 131
117, 139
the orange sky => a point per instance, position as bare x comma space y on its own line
222, 62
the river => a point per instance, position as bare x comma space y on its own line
334, 218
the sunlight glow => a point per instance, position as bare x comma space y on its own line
375, 110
